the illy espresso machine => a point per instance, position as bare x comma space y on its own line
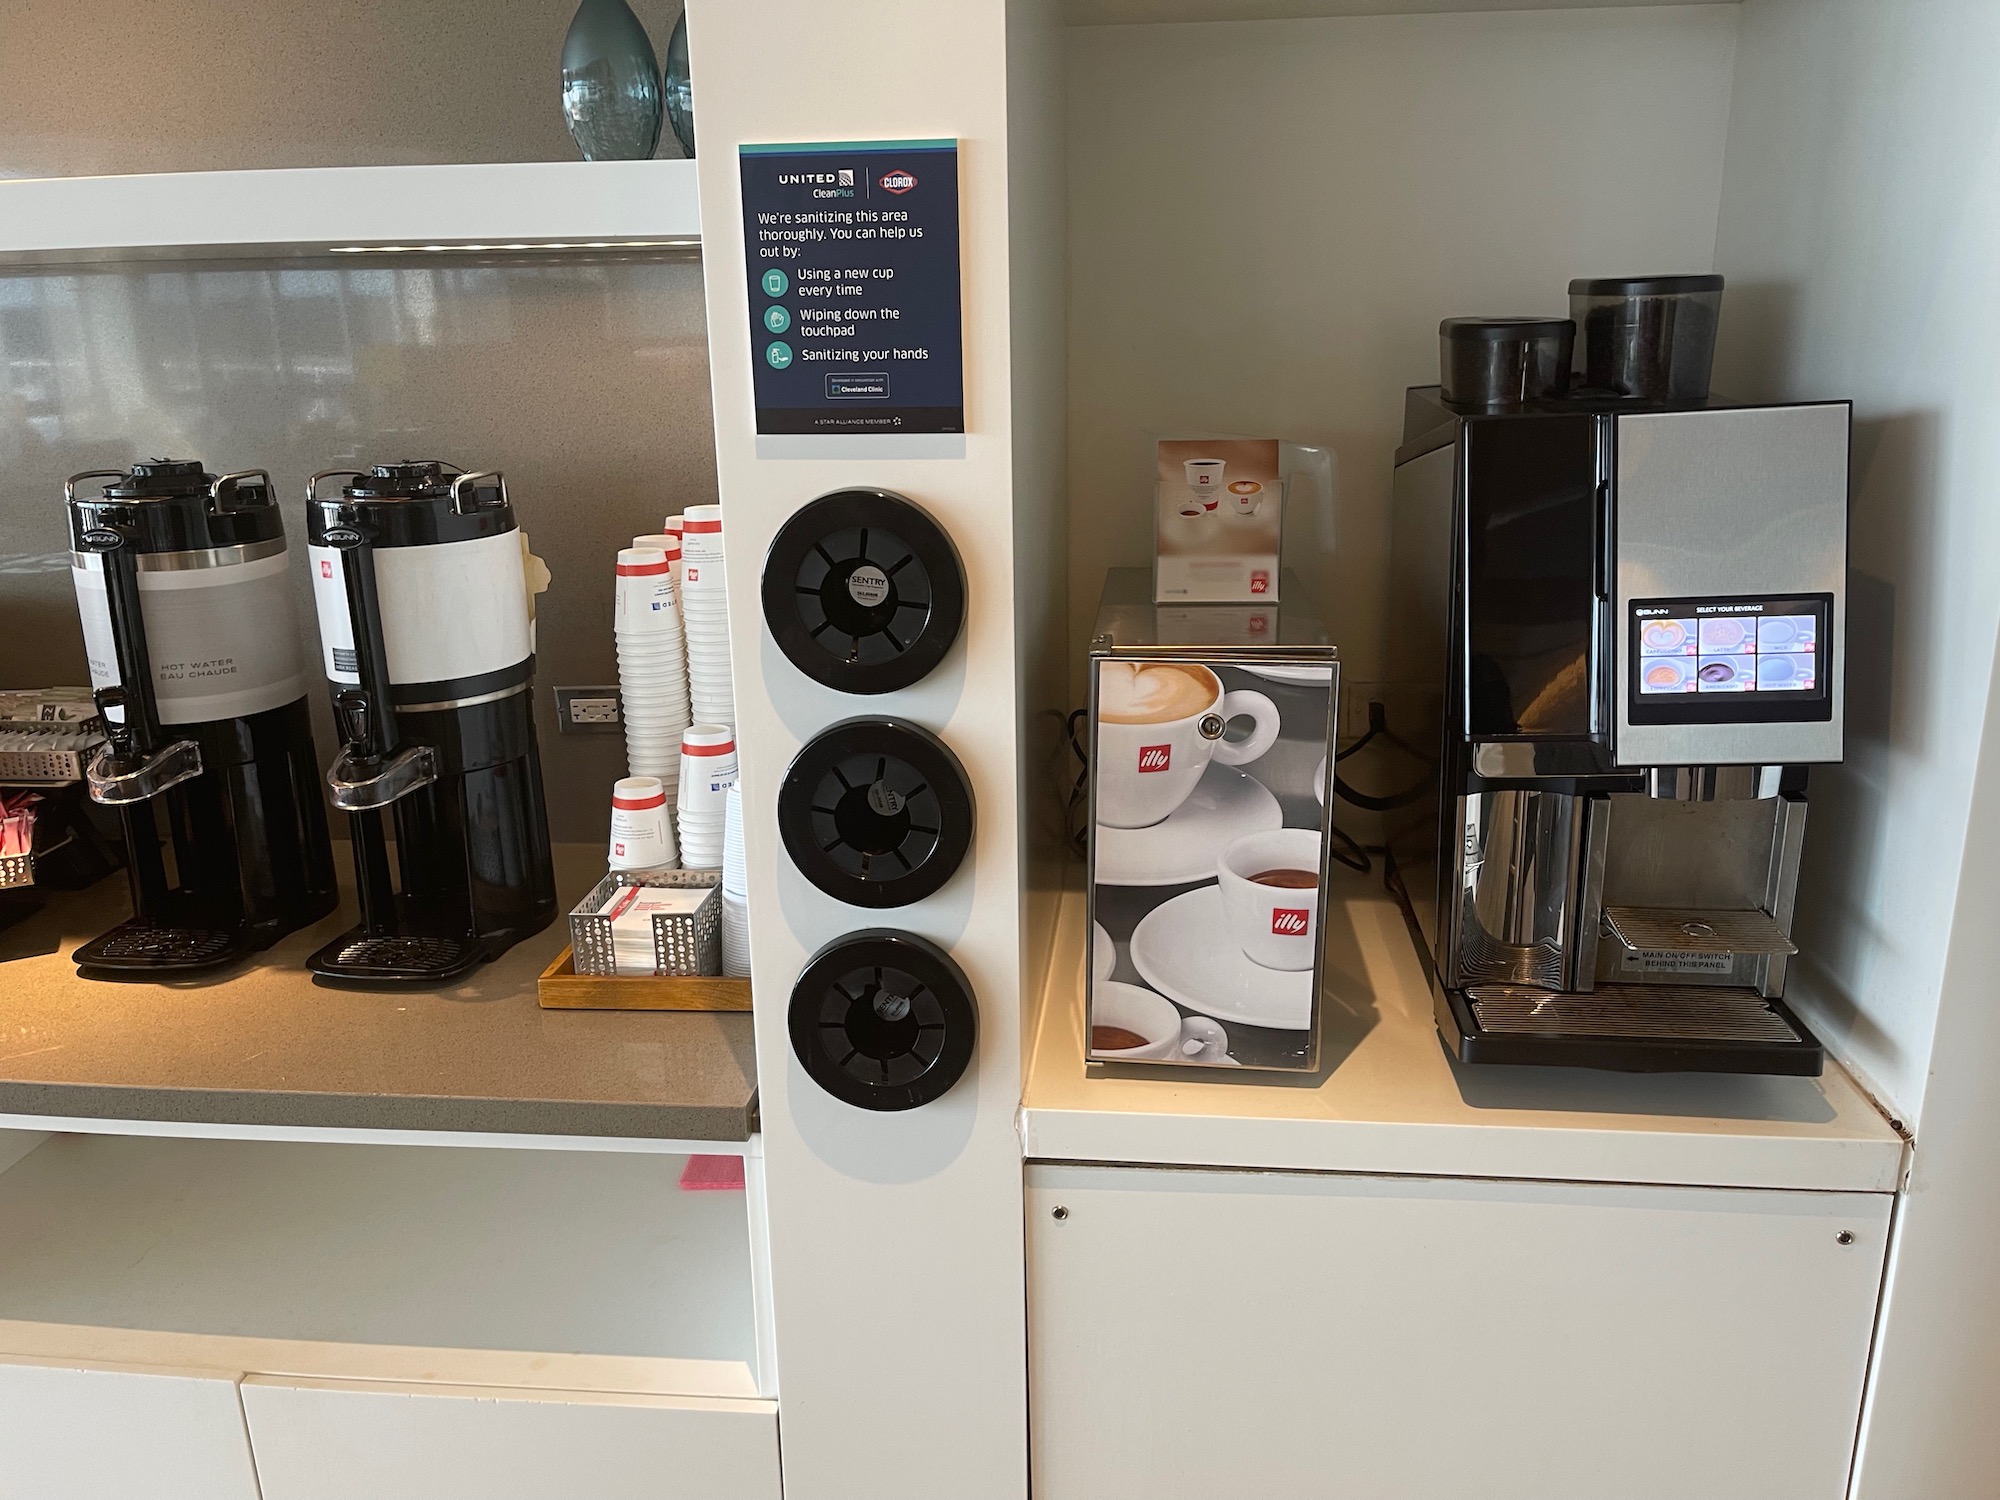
420, 575
183, 585
1623, 613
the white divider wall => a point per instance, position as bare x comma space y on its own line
896, 1252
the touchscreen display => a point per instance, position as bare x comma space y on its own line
1710, 651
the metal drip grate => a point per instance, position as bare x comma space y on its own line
1666, 929
404, 955
1678, 1012
140, 943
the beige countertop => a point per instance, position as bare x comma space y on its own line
262, 1045
1390, 1099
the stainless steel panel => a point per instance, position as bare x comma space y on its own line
1691, 929
1731, 501
1517, 898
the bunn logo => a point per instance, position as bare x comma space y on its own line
1155, 757
897, 180
1290, 921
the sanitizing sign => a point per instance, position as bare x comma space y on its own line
856, 336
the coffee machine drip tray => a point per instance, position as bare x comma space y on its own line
1634, 1028
1658, 929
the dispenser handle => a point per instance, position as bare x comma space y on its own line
312, 483
464, 482
234, 481
70, 484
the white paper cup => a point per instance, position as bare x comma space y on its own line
701, 532
641, 836
645, 591
1276, 926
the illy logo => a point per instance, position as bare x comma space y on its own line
897, 180
694, 575
1260, 582
326, 567
618, 849
1155, 757
1289, 921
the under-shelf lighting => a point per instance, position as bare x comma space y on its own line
681, 243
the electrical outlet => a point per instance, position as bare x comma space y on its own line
588, 710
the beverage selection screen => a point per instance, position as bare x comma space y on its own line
1717, 652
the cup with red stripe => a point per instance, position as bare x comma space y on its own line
646, 602
642, 838
701, 533
708, 769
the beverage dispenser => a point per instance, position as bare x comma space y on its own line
420, 575
183, 584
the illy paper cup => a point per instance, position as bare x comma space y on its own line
641, 836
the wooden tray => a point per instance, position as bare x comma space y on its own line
562, 988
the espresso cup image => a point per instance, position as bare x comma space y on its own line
1204, 475
1245, 495
1130, 1024
1270, 896
1159, 723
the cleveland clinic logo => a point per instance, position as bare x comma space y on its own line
896, 180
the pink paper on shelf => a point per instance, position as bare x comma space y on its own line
712, 1174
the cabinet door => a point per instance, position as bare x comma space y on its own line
1212, 1335
346, 1440
71, 1431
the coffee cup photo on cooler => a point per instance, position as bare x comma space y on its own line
1130, 1024
1158, 726
1270, 896
1205, 485
1245, 495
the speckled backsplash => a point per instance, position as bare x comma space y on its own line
585, 381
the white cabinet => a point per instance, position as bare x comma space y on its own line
339, 1440
1211, 1335
76, 1431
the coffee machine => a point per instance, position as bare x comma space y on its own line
1622, 621
183, 585
420, 576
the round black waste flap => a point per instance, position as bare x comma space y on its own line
883, 1020
876, 812
863, 592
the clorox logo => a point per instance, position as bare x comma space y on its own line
1155, 757
1289, 921
897, 180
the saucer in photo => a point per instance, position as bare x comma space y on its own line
1224, 805
1182, 949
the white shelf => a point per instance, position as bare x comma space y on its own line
1393, 1102
511, 206
533, 1270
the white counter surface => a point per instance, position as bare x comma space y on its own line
1390, 1100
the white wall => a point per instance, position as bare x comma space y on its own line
896, 1256
1268, 219
1860, 229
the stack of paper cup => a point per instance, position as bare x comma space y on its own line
642, 838
708, 771
651, 649
735, 889
672, 527
707, 602
669, 542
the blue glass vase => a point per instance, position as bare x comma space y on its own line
680, 91
610, 84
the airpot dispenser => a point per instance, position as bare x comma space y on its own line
183, 585
420, 575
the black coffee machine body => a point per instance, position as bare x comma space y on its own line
427, 639
186, 598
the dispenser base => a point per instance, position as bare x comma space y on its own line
412, 953
140, 950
